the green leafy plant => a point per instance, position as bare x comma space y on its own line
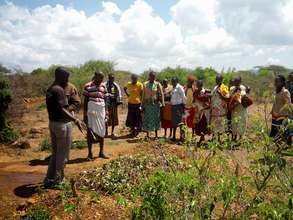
38, 212
45, 145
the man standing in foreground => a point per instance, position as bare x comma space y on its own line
74, 102
60, 127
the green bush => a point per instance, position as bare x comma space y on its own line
38, 212
217, 185
45, 145
8, 135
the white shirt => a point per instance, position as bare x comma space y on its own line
178, 95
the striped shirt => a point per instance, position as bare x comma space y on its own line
95, 93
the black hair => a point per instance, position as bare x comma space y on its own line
219, 76
199, 82
281, 78
152, 73
99, 73
175, 79
134, 76
60, 72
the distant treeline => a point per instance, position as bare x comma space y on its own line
260, 79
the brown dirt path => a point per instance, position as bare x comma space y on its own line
20, 170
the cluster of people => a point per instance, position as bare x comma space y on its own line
151, 106
171, 106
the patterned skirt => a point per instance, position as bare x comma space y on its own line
113, 115
151, 117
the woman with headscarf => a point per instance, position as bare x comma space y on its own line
152, 98
95, 113
166, 111
201, 105
219, 107
238, 111
189, 108
281, 109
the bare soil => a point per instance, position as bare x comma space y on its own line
21, 170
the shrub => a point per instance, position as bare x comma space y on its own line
38, 212
8, 135
45, 145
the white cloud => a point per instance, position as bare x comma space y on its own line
201, 32
273, 61
111, 8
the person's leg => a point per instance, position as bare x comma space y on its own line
174, 134
193, 132
89, 145
51, 172
113, 127
129, 122
170, 134
156, 133
182, 134
165, 132
200, 140
274, 129
101, 154
63, 131
68, 141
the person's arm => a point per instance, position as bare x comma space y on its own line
126, 91
161, 94
183, 95
286, 109
63, 105
142, 93
74, 101
85, 103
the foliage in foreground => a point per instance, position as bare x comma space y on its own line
121, 175
249, 180
7, 134
39, 212
220, 185
45, 145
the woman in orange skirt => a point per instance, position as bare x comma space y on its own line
166, 111
189, 108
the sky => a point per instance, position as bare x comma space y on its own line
143, 34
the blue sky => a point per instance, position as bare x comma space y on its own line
160, 7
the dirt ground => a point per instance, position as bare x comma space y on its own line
22, 169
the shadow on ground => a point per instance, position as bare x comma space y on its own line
45, 162
26, 191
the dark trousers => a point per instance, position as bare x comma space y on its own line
276, 129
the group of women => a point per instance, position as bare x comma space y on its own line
172, 106
153, 105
